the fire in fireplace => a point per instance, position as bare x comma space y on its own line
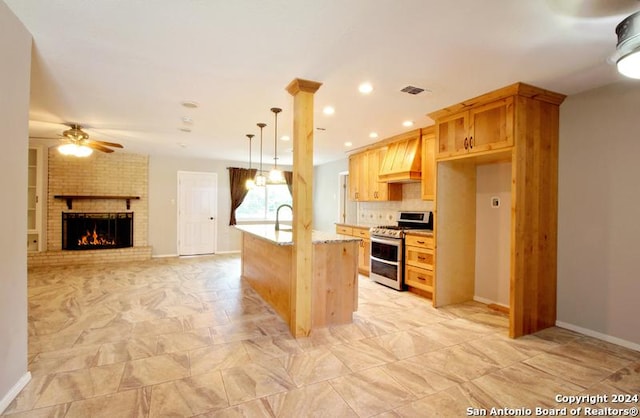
93, 231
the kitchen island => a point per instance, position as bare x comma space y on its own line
268, 267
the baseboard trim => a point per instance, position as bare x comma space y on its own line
599, 335
229, 252
164, 255
14, 391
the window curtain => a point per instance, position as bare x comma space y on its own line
288, 177
237, 180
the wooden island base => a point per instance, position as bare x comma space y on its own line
267, 265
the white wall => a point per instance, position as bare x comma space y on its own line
493, 233
15, 59
599, 222
326, 198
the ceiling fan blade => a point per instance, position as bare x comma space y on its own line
98, 147
108, 144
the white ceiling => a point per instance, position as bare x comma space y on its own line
122, 67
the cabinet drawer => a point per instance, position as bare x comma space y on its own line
419, 278
419, 257
361, 233
345, 230
419, 241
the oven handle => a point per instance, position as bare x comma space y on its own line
392, 263
394, 242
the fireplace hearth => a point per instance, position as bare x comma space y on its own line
96, 231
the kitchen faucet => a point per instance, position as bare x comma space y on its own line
278, 214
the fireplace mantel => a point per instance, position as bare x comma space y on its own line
71, 198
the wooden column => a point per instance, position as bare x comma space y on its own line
301, 286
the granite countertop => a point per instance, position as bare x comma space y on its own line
285, 237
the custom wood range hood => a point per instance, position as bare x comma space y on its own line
402, 161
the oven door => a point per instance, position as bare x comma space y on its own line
386, 264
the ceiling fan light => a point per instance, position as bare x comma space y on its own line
83, 151
67, 149
629, 65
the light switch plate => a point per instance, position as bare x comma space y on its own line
495, 202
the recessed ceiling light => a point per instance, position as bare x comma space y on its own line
187, 120
181, 144
348, 144
285, 138
407, 123
185, 130
373, 135
365, 88
328, 110
190, 104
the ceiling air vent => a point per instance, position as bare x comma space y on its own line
412, 90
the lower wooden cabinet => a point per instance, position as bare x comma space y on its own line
364, 250
419, 258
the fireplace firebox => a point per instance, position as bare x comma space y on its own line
95, 231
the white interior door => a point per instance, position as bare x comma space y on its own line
197, 212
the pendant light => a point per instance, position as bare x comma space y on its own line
628, 47
261, 180
250, 184
275, 175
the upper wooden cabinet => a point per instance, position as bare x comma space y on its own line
402, 161
364, 184
517, 124
483, 128
358, 164
428, 163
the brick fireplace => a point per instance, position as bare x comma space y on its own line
103, 181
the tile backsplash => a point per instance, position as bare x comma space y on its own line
385, 213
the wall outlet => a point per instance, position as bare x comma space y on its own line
495, 202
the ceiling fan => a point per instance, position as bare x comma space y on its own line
77, 142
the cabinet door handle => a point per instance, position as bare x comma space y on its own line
470, 142
420, 242
422, 258
466, 143
421, 278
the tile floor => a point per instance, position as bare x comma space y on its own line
187, 337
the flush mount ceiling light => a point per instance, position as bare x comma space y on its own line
373, 135
328, 110
365, 88
348, 144
407, 123
189, 104
628, 47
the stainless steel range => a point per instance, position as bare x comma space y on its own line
387, 247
